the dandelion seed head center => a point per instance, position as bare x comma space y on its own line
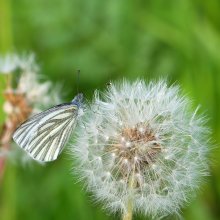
134, 148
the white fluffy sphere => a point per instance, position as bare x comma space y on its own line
140, 144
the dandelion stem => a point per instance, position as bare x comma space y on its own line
128, 214
129, 209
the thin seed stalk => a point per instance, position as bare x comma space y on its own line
129, 209
128, 214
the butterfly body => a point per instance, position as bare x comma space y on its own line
44, 135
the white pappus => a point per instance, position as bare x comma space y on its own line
142, 149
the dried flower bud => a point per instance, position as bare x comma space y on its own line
141, 147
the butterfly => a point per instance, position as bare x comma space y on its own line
44, 135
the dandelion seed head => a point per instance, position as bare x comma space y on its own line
27, 94
147, 136
8, 63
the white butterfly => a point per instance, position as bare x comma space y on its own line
44, 135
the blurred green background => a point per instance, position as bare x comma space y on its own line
108, 40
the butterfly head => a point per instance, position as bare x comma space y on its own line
78, 100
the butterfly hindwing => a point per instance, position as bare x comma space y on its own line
44, 135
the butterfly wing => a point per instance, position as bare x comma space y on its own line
44, 135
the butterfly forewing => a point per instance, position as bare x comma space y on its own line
44, 135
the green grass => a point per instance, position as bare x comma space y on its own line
109, 40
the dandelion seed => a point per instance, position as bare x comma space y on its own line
25, 97
154, 166
125, 161
127, 144
106, 138
8, 63
122, 139
113, 155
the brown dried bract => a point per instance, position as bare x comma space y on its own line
18, 112
20, 107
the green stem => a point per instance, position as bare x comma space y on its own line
128, 214
129, 209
